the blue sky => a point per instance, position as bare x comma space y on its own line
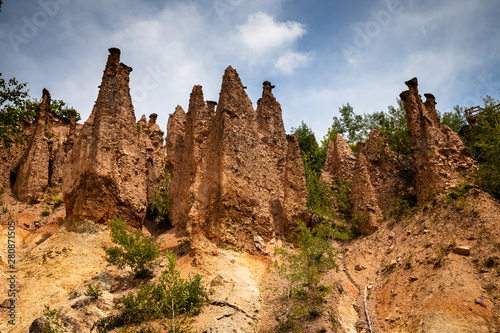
320, 54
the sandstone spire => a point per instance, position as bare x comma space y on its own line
438, 153
105, 176
235, 178
340, 160
33, 174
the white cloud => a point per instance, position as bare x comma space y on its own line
289, 61
269, 42
262, 34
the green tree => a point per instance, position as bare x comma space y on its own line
58, 108
483, 139
393, 126
159, 204
351, 126
52, 322
13, 111
455, 119
172, 299
302, 295
16, 108
136, 251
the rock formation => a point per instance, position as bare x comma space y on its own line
105, 172
438, 153
365, 207
151, 143
374, 182
33, 174
340, 160
235, 176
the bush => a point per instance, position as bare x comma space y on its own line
302, 296
93, 291
136, 251
159, 205
52, 322
172, 299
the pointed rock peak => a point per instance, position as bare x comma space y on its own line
45, 104
232, 79
45, 95
179, 110
143, 119
233, 99
196, 100
343, 146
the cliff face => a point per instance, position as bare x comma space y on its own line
105, 174
235, 176
438, 153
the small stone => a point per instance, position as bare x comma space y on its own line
462, 250
426, 231
392, 264
413, 278
359, 267
5, 304
370, 287
480, 301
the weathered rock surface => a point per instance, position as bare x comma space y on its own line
438, 153
340, 160
151, 143
365, 208
33, 174
234, 174
105, 174
384, 169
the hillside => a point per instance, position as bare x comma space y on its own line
230, 190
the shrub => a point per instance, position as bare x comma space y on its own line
159, 205
136, 251
93, 291
172, 299
302, 296
45, 213
52, 322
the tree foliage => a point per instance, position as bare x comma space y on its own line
57, 107
302, 295
136, 251
13, 111
455, 119
483, 139
393, 126
159, 204
172, 299
351, 126
16, 108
